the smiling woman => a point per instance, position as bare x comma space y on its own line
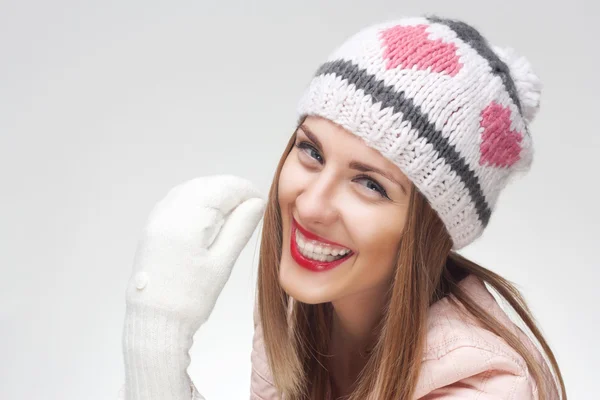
323, 193
406, 136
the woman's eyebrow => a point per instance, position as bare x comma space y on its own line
311, 135
356, 165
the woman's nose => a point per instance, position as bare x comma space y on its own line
316, 203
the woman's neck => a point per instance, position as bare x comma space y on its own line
352, 333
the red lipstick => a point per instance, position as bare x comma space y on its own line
313, 265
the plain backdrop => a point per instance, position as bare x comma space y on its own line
106, 105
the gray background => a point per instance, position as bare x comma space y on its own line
107, 105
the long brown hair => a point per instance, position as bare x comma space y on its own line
296, 334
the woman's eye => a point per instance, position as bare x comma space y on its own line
309, 150
313, 153
374, 186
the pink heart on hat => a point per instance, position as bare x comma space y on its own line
500, 146
409, 46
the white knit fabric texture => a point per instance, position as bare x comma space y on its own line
184, 258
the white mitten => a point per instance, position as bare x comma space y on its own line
189, 246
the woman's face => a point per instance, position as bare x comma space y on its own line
325, 196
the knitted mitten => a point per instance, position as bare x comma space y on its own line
184, 258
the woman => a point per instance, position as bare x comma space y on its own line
406, 136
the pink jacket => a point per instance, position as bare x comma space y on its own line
462, 359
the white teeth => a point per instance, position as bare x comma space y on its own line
319, 257
318, 252
322, 250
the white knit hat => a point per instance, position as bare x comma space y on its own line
435, 98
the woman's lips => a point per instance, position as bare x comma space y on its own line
312, 236
308, 263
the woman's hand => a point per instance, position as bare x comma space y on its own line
190, 243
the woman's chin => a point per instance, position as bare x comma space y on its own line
297, 286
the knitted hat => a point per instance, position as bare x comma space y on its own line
445, 106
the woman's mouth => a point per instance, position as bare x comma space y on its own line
315, 255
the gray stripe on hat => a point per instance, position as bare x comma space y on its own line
473, 38
389, 97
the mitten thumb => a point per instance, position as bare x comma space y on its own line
236, 231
